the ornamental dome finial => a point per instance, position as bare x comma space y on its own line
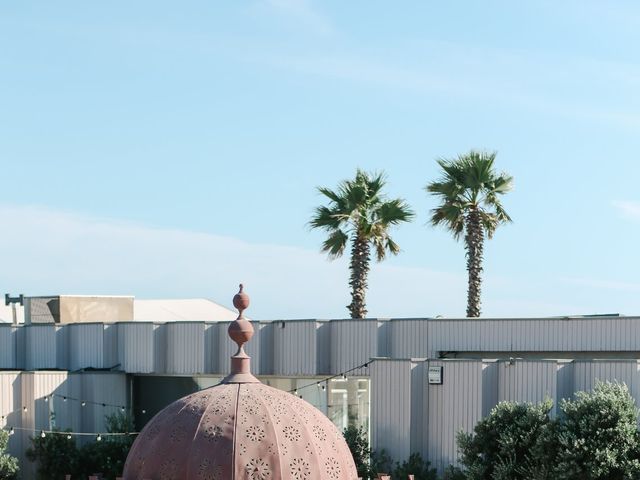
240, 331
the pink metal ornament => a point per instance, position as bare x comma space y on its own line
240, 429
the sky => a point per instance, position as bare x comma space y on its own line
173, 149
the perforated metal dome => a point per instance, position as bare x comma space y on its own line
240, 429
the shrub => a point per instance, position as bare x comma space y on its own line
512, 443
8, 464
55, 454
356, 438
598, 436
417, 466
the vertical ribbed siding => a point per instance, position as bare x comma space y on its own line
86, 345
227, 348
489, 386
110, 388
409, 338
453, 406
587, 373
62, 348
10, 408
353, 342
211, 349
135, 347
185, 347
110, 345
527, 381
294, 347
40, 343
266, 348
566, 386
391, 407
159, 348
323, 345
7, 346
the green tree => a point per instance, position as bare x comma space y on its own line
358, 212
598, 437
470, 191
514, 442
8, 464
56, 455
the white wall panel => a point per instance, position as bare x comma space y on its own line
294, 347
527, 380
391, 407
7, 346
353, 342
409, 338
40, 346
185, 347
86, 345
135, 347
453, 406
227, 348
11, 408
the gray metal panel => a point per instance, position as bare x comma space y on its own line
565, 386
587, 373
211, 348
185, 347
62, 347
40, 343
135, 347
489, 386
11, 407
107, 387
294, 347
266, 348
353, 342
7, 346
323, 347
227, 348
110, 347
391, 407
384, 338
409, 338
453, 406
527, 380
159, 348
86, 343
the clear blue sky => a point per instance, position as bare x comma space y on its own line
171, 149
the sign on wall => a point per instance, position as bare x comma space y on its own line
435, 375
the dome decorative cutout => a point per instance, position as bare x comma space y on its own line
240, 429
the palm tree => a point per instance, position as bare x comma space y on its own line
469, 191
359, 213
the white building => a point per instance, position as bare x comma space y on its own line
143, 365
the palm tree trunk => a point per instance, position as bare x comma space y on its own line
474, 243
359, 267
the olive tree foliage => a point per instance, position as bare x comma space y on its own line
8, 464
598, 436
510, 444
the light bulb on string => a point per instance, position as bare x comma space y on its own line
83, 404
11, 431
99, 438
122, 409
144, 411
24, 409
68, 436
323, 388
46, 399
64, 399
42, 434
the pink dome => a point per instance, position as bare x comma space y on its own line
240, 429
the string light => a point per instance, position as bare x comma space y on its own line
42, 434
83, 404
46, 399
69, 437
11, 431
64, 399
99, 438
321, 383
24, 409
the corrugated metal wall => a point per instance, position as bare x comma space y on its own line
301, 347
409, 415
294, 347
391, 406
185, 347
7, 346
352, 343
135, 347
